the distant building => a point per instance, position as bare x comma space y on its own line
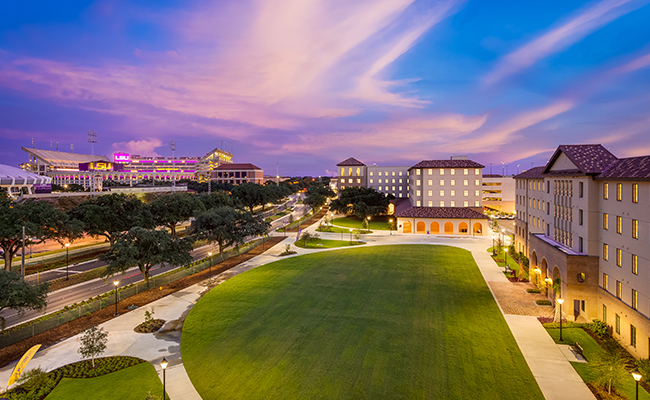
498, 192
17, 181
238, 173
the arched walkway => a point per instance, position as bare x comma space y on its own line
407, 227
462, 228
421, 227
478, 228
449, 228
435, 227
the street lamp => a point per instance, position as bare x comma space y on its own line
390, 228
116, 283
493, 252
163, 365
637, 377
210, 255
67, 246
350, 235
560, 301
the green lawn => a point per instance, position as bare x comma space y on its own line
409, 321
129, 383
326, 244
592, 350
336, 229
376, 223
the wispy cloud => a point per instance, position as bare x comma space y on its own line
145, 148
558, 39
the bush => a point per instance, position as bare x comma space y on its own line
543, 302
534, 290
644, 366
600, 329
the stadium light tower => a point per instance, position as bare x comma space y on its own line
172, 146
92, 139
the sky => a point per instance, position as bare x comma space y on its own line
304, 84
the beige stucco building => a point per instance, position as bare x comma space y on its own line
585, 218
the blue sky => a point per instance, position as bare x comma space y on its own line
309, 83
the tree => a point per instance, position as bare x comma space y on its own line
17, 294
610, 367
360, 202
93, 343
112, 214
42, 221
315, 200
145, 249
172, 209
227, 226
250, 195
219, 198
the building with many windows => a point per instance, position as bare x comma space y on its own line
238, 173
499, 193
584, 222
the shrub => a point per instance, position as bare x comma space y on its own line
534, 290
644, 366
543, 302
600, 329
148, 315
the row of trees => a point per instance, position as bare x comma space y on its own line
361, 202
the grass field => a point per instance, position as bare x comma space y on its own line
336, 229
326, 244
410, 321
376, 223
129, 383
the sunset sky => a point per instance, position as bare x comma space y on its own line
309, 83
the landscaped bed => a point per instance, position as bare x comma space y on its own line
375, 223
336, 229
409, 321
326, 244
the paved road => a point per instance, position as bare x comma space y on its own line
61, 298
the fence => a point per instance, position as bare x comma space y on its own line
35, 327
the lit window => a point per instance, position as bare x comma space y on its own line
442, 182
476, 182
619, 224
466, 182
430, 203
453, 182
635, 299
453, 171
619, 191
466, 193
400, 174
476, 203
393, 188
453, 203
342, 187
371, 181
393, 181
379, 173
393, 173
635, 264
452, 193
442, 171
417, 203
430, 192
442, 193
386, 173
442, 203
466, 171
430, 171
417, 172
358, 180
477, 171
379, 180
417, 193
635, 228
417, 182
350, 180
606, 281
400, 181
605, 252
343, 172
605, 221
466, 204
430, 182
476, 193
635, 193
619, 257
605, 190
619, 289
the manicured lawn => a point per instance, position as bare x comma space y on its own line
129, 383
376, 223
326, 244
592, 350
409, 321
336, 229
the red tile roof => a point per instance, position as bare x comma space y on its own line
533, 173
237, 166
441, 212
447, 164
589, 158
633, 168
350, 162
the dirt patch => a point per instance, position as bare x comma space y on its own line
74, 327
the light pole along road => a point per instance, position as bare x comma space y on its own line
83, 291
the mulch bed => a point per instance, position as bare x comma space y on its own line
76, 326
150, 326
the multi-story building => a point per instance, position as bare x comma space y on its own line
583, 220
433, 196
238, 173
499, 193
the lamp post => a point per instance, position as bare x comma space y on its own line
493, 253
390, 228
503, 239
163, 365
210, 255
350, 235
560, 301
116, 283
637, 377
67, 246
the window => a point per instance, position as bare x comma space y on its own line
635, 264
430, 171
442, 203
476, 193
476, 203
619, 224
417, 203
393, 188
453, 203
453, 171
400, 174
581, 189
350, 180
442, 193
580, 217
581, 245
466, 204
430, 193
633, 336
477, 171
417, 193
618, 324
343, 172
605, 190
635, 228
342, 187
350, 171
635, 299
605, 252
466, 171
417, 182
619, 289
442, 171
417, 172
466, 193
393, 181
604, 313
466, 182
619, 191
430, 203
453, 182
452, 193
476, 182
379, 180
606, 282
430, 182
619, 257
605, 221
635, 193
358, 180
442, 182
393, 173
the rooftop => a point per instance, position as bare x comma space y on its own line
63, 159
9, 174
441, 212
533, 173
350, 162
589, 158
245, 166
447, 164
637, 168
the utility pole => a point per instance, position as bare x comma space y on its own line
277, 174
503, 166
22, 256
172, 145
92, 139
